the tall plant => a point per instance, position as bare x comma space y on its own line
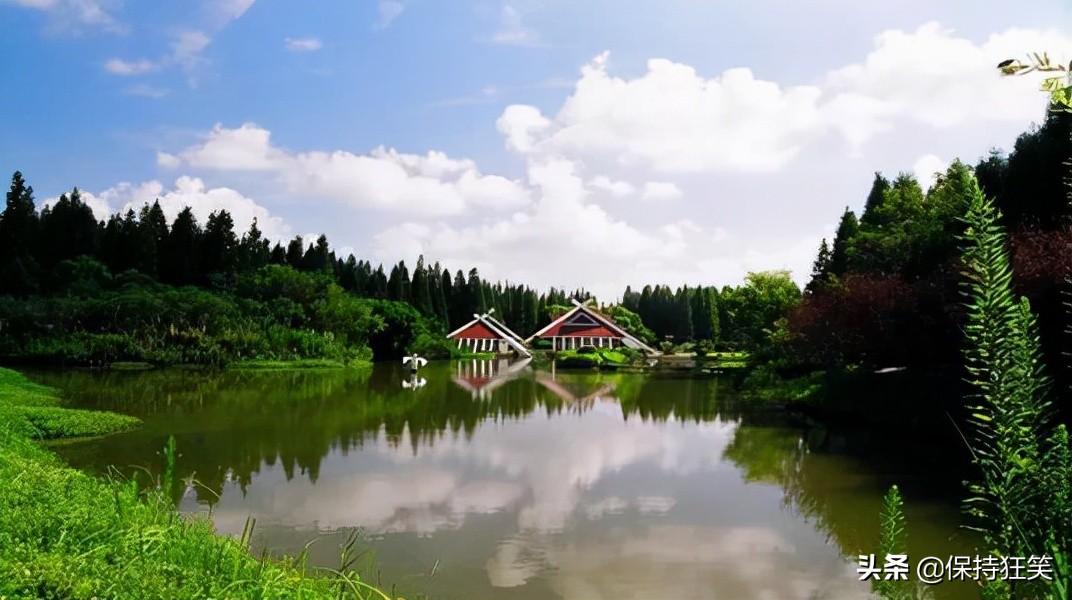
1020, 501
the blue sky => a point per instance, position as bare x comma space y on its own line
558, 143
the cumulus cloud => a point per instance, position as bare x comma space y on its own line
187, 191
933, 76
663, 135
383, 179
661, 191
302, 44
618, 189
927, 169
672, 120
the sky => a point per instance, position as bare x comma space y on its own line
591, 144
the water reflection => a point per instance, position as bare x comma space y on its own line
516, 482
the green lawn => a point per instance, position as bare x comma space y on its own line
65, 534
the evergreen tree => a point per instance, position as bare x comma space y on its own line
843, 240
317, 257
253, 249
295, 252
153, 232
875, 198
18, 239
68, 230
219, 245
421, 290
820, 269
180, 261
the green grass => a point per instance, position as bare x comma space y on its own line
66, 534
304, 363
729, 360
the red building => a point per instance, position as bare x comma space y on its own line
486, 334
584, 326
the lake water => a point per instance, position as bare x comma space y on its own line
495, 480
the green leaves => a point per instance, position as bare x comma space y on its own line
1022, 502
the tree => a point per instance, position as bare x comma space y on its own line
318, 256
68, 230
219, 245
820, 269
180, 261
875, 198
253, 249
843, 240
421, 289
295, 252
153, 230
18, 239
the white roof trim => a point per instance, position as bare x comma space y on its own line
599, 318
511, 338
462, 328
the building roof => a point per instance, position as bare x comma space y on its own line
583, 321
486, 327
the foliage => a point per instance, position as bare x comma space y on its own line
64, 534
893, 540
1020, 501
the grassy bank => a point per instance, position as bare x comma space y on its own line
65, 534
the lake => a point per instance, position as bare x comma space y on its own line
486, 479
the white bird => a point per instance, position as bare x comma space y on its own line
415, 362
416, 382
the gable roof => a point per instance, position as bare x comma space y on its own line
486, 322
604, 324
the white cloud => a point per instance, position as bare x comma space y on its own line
99, 206
672, 120
187, 46
117, 66
389, 10
512, 32
168, 161
932, 76
617, 189
192, 192
661, 191
78, 15
927, 169
302, 44
385, 179
229, 10
665, 133
246, 148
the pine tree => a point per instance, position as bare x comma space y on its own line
820, 269
843, 239
18, 240
421, 292
219, 245
875, 199
181, 266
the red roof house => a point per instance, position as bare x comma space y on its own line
584, 326
486, 334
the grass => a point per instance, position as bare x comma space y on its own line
302, 363
600, 357
729, 360
66, 534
